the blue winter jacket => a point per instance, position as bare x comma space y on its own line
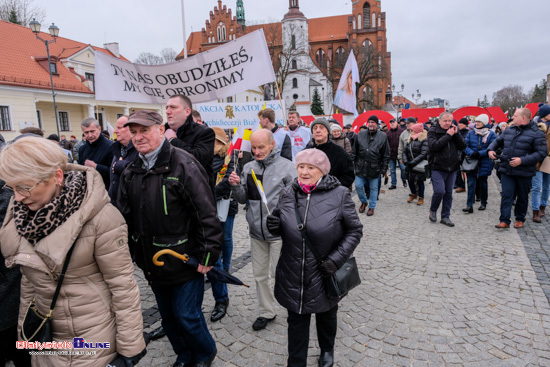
526, 142
474, 143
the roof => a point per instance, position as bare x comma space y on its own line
22, 52
320, 30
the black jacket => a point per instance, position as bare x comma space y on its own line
119, 164
341, 165
332, 225
526, 142
444, 154
415, 152
393, 141
197, 140
371, 153
171, 207
100, 152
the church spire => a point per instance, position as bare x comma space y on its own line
293, 10
240, 12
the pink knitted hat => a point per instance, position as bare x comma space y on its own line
315, 157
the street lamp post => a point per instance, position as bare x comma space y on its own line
418, 95
54, 32
399, 93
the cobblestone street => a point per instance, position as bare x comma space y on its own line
431, 295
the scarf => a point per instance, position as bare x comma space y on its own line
483, 132
308, 188
34, 226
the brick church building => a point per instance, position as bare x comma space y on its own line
309, 54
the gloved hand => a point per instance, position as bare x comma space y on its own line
273, 224
327, 268
475, 155
122, 361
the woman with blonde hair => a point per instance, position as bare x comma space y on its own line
58, 209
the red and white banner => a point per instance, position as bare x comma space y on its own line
224, 71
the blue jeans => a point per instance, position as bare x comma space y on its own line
183, 321
514, 186
540, 190
373, 190
483, 189
443, 183
393, 171
219, 289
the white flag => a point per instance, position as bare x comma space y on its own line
346, 93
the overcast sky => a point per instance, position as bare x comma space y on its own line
459, 50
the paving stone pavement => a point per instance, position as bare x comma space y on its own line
430, 295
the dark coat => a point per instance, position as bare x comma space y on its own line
10, 278
415, 152
170, 205
341, 165
119, 164
223, 189
371, 154
100, 152
526, 142
332, 225
197, 140
474, 143
393, 141
444, 149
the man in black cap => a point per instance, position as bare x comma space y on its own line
167, 203
350, 134
372, 156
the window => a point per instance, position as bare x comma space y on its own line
64, 121
99, 118
359, 21
340, 57
247, 99
294, 65
294, 83
368, 98
229, 99
90, 76
366, 49
321, 58
354, 23
119, 115
293, 42
379, 63
53, 67
5, 122
366, 16
373, 20
39, 119
221, 32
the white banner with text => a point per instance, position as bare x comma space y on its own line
230, 115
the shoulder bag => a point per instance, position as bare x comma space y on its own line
421, 166
469, 164
38, 328
345, 279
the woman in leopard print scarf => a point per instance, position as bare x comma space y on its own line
55, 206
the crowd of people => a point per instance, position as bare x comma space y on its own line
166, 190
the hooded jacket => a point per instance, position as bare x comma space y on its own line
371, 154
445, 149
170, 206
332, 225
275, 173
99, 299
526, 142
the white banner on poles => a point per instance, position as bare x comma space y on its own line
230, 115
221, 72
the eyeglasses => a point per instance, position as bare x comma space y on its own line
21, 190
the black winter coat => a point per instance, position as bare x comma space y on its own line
526, 142
10, 279
341, 165
171, 207
332, 225
100, 152
393, 141
415, 152
371, 154
119, 165
445, 149
223, 189
197, 140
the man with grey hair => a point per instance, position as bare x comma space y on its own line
275, 173
97, 152
444, 143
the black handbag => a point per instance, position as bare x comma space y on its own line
36, 327
421, 166
345, 279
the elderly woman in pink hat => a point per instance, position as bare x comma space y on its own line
327, 212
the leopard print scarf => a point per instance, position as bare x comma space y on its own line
36, 225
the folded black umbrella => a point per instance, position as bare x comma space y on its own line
214, 274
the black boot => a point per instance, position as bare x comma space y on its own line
220, 309
326, 359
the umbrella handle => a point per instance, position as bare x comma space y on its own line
183, 257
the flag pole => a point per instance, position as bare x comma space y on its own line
281, 101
